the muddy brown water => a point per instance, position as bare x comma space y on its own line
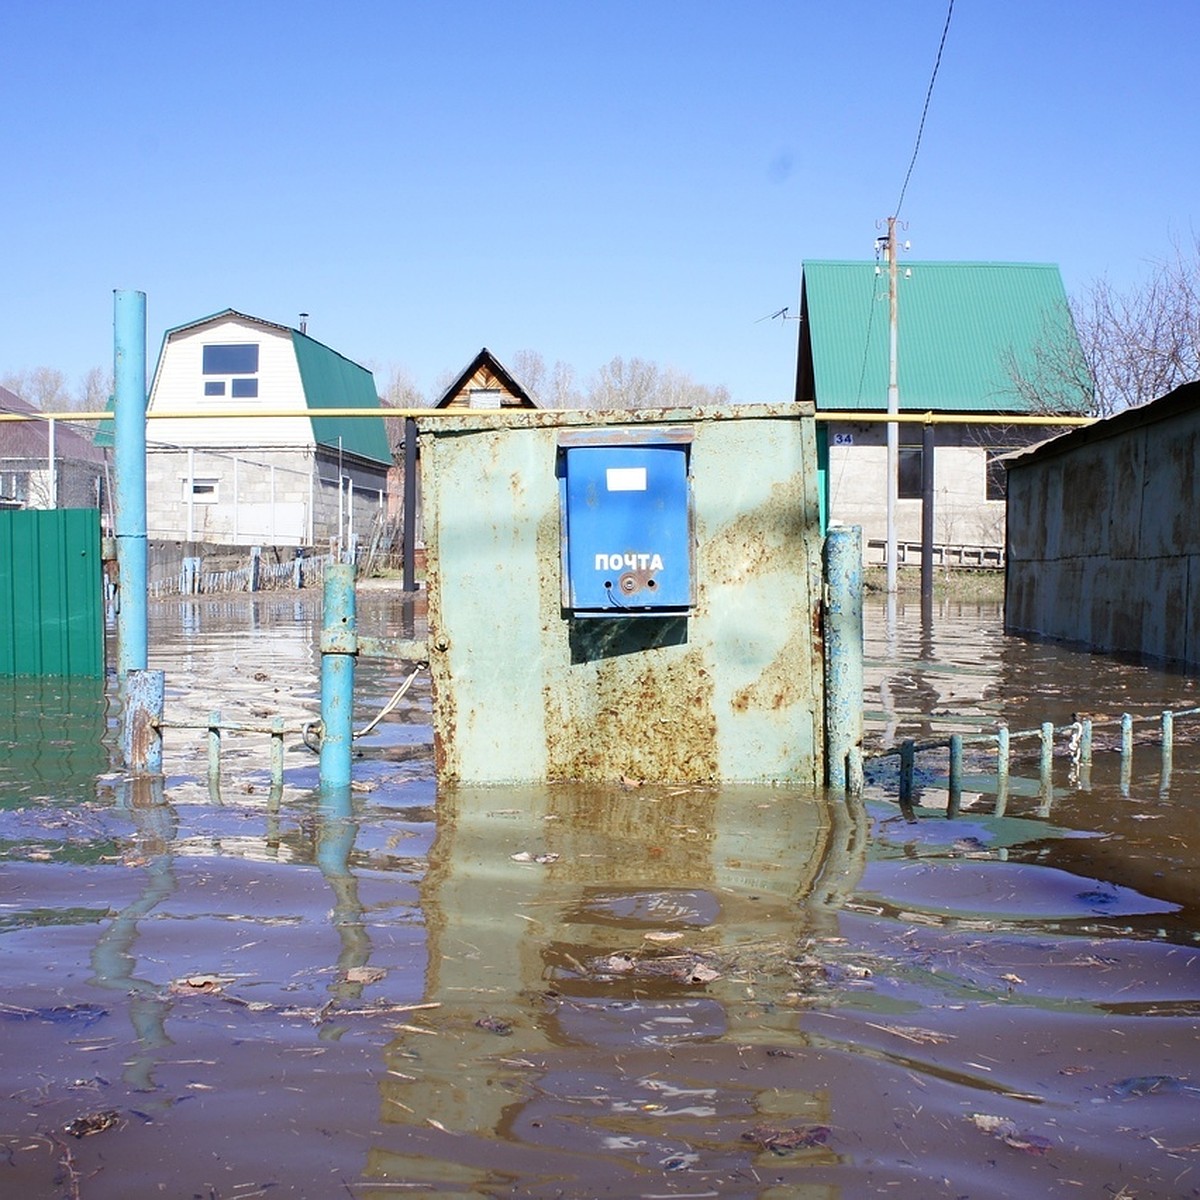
567, 991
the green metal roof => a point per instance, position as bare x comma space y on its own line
964, 329
331, 381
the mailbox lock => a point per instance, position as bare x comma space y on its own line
628, 584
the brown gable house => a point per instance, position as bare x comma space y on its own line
485, 383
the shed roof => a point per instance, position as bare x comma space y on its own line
1185, 398
964, 329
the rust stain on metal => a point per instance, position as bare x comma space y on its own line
444, 708
645, 716
783, 683
143, 735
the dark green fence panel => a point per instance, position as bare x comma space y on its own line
51, 593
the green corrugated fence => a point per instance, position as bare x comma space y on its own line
51, 594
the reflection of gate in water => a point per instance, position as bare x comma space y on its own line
586, 924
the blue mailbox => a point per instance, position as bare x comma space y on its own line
626, 501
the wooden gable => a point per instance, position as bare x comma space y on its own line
485, 383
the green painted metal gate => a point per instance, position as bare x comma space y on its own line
51, 593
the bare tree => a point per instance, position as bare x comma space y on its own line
563, 392
1133, 345
636, 383
529, 370
399, 391
623, 383
95, 388
1142, 343
46, 388
43, 387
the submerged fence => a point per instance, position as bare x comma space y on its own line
255, 575
1079, 743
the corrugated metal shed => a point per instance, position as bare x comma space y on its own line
962, 329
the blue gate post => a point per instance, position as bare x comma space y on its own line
129, 468
141, 729
339, 645
843, 650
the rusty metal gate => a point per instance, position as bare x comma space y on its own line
527, 688
51, 593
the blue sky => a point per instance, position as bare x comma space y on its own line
584, 180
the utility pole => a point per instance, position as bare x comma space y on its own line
893, 407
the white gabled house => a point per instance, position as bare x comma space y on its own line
217, 472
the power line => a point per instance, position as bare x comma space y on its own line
925, 110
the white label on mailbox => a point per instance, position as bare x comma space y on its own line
626, 479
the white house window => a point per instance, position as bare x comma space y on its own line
235, 365
227, 359
203, 491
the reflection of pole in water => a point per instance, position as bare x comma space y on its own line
335, 843
113, 958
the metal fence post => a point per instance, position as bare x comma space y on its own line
1047, 768
954, 800
1168, 752
214, 751
1002, 769
339, 645
129, 470
843, 650
141, 735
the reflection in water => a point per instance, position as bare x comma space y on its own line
53, 731
587, 991
114, 961
335, 841
571, 927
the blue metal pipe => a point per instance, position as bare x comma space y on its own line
129, 470
339, 646
843, 650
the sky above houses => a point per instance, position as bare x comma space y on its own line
583, 180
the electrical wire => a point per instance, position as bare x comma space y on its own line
313, 732
925, 110
397, 696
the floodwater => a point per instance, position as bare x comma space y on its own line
223, 991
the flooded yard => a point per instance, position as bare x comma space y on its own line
216, 990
